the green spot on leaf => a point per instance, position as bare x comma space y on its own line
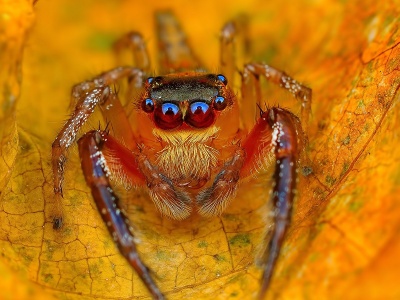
240, 240
346, 140
24, 145
355, 206
162, 255
219, 258
314, 257
100, 41
48, 277
330, 180
345, 168
234, 294
202, 244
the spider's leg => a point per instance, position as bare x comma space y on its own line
86, 96
286, 140
277, 134
175, 53
97, 172
251, 98
132, 44
234, 33
301, 92
227, 52
133, 41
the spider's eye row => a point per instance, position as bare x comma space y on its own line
222, 78
148, 105
219, 103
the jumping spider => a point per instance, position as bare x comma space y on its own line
194, 141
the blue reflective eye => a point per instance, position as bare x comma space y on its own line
219, 100
169, 109
148, 105
199, 107
219, 103
222, 78
150, 80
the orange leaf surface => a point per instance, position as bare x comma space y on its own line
345, 235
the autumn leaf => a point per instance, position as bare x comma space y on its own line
344, 238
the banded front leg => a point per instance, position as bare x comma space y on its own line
285, 147
277, 136
86, 96
97, 171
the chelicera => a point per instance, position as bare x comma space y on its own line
193, 141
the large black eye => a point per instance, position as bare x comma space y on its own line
148, 105
219, 103
199, 107
170, 109
168, 116
199, 115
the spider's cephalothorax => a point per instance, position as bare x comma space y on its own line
187, 110
193, 140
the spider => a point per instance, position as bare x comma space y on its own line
193, 140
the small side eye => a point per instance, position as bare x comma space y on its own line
219, 103
222, 78
155, 81
148, 105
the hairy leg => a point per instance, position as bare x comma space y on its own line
86, 96
234, 39
97, 172
286, 133
134, 43
227, 52
276, 135
298, 90
175, 53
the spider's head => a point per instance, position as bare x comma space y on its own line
186, 100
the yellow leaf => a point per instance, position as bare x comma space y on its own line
343, 242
